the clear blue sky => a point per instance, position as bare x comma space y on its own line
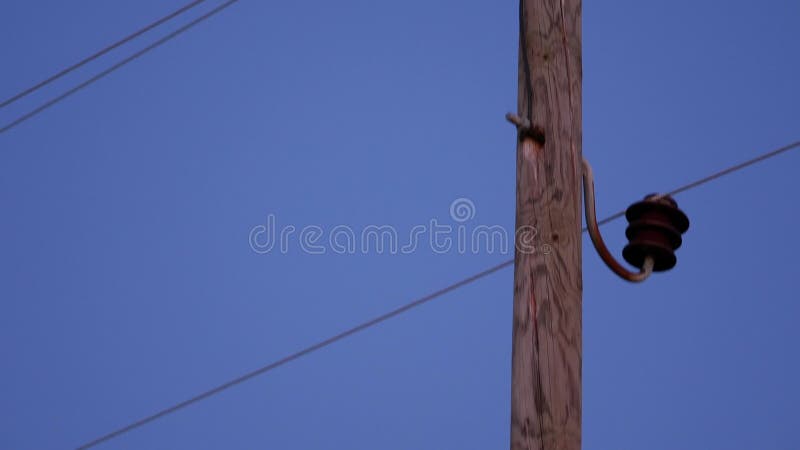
127, 281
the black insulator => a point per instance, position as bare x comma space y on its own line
655, 228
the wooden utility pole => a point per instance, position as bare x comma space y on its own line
546, 353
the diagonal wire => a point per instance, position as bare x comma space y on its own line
99, 53
116, 66
396, 312
715, 175
241, 379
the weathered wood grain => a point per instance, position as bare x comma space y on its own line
546, 354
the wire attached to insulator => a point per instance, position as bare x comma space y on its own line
654, 234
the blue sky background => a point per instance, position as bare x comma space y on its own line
127, 282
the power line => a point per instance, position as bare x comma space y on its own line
398, 311
116, 66
100, 53
241, 379
735, 168
715, 175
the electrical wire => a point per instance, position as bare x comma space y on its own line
715, 175
116, 66
99, 53
398, 311
358, 328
